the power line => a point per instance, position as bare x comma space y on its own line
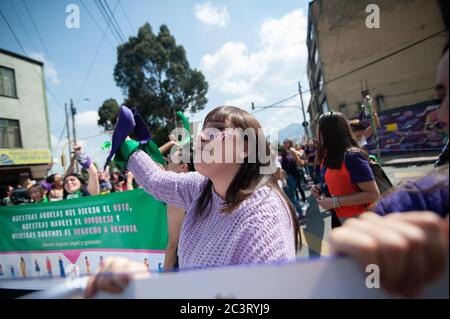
102, 13
126, 17
409, 92
36, 29
24, 53
95, 57
42, 41
277, 103
380, 59
109, 22
62, 132
96, 23
111, 13
368, 64
22, 24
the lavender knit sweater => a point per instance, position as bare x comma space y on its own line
260, 230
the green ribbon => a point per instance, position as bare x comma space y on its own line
186, 126
127, 148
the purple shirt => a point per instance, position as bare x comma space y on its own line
260, 230
422, 194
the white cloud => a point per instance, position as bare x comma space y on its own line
89, 136
212, 15
266, 73
49, 67
87, 119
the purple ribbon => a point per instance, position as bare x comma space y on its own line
46, 185
130, 121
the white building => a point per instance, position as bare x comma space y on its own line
24, 128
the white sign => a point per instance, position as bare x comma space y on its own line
326, 277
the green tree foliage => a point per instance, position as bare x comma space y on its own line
154, 74
108, 113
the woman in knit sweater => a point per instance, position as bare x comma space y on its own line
235, 212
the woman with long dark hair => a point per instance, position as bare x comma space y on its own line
345, 169
235, 211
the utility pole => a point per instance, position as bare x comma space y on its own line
73, 111
68, 137
305, 123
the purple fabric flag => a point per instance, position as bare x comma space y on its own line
130, 121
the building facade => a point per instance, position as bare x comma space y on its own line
395, 63
25, 149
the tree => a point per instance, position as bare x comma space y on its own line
108, 113
154, 74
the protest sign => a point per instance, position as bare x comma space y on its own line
57, 238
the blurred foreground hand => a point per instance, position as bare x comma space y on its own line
115, 275
411, 249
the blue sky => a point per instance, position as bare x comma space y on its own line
249, 50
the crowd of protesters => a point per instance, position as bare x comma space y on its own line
235, 215
57, 187
222, 214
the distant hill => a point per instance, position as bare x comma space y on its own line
293, 131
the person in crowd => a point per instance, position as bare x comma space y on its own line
299, 162
345, 169
20, 195
56, 191
289, 166
312, 162
301, 168
118, 184
104, 183
25, 182
234, 214
407, 235
74, 184
129, 180
168, 146
362, 132
38, 193
175, 215
280, 175
5, 195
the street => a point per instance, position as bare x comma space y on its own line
318, 225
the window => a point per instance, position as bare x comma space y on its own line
7, 82
10, 134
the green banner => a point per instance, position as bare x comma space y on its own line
131, 221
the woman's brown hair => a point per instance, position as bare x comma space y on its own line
248, 178
335, 139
